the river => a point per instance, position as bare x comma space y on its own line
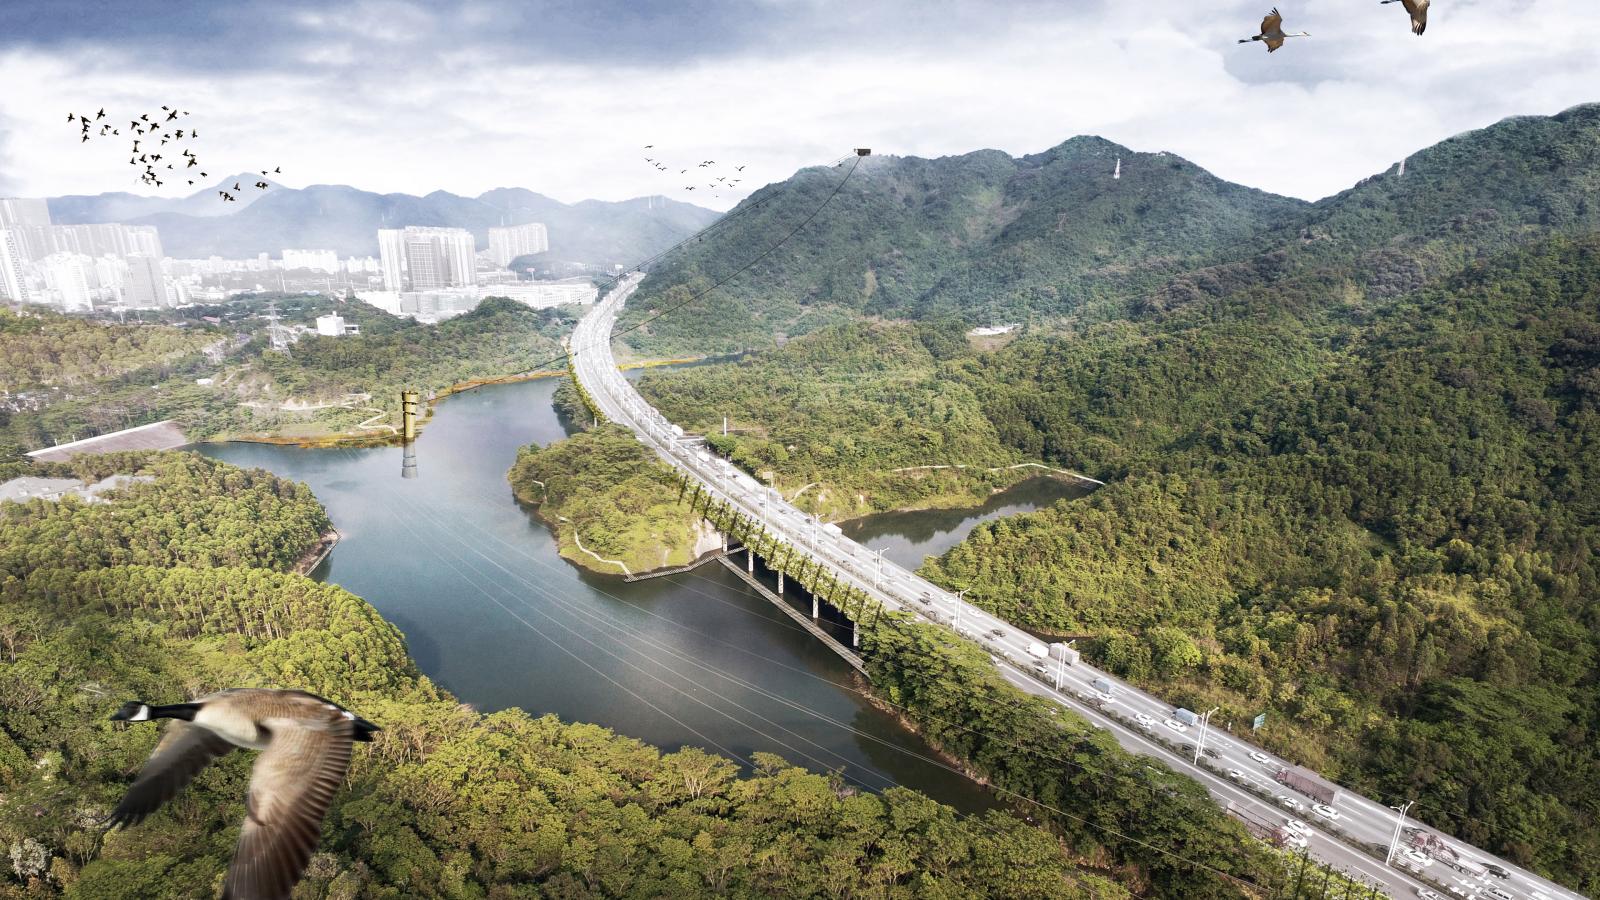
491, 612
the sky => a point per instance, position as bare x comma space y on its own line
560, 96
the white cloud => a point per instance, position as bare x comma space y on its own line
401, 116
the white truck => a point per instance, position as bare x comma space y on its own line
1064, 652
1038, 650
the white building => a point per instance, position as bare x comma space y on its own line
334, 325
506, 244
13, 282
421, 258
15, 211
316, 260
146, 286
68, 277
541, 294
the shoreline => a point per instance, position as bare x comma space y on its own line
319, 551
376, 439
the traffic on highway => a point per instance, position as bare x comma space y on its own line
1337, 826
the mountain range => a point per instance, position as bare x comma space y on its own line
1091, 230
346, 219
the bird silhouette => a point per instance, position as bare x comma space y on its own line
1272, 32
172, 115
71, 117
739, 169
226, 196
236, 185
648, 146
100, 115
277, 170
262, 185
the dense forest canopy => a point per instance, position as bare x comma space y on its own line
1351, 462
447, 802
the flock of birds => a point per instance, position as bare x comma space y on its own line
716, 184
1273, 35
157, 166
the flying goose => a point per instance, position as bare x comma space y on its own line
305, 741
1272, 32
1419, 13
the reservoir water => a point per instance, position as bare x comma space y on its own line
491, 612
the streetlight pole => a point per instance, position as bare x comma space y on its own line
1200, 744
1394, 842
959, 597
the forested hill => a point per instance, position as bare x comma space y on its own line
177, 588
995, 237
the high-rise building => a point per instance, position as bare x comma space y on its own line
39, 241
68, 276
145, 288
506, 244
15, 211
13, 283
417, 258
392, 258
316, 260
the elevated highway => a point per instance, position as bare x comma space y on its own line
1235, 772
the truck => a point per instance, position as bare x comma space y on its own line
1038, 650
1062, 651
1103, 685
833, 529
1185, 716
677, 430
703, 456
1308, 784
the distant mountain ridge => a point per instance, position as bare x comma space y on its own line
1093, 230
347, 219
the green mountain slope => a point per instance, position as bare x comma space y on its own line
986, 235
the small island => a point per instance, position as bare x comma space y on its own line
613, 506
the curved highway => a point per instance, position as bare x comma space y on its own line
1236, 773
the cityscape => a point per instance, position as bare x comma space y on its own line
421, 272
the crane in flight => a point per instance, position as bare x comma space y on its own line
1272, 32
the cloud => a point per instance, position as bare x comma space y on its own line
560, 96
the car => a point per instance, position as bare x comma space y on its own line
1418, 858
1297, 841
997, 633
1297, 826
925, 600
1260, 757
1236, 775
1175, 725
995, 660
1426, 894
1289, 802
1499, 893
1210, 753
1145, 721
1497, 871
1325, 811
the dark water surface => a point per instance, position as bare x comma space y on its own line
492, 613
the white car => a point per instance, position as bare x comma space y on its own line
1145, 721
1260, 757
1289, 802
1297, 826
1175, 725
1325, 811
1500, 894
1426, 894
1297, 841
1236, 775
1418, 858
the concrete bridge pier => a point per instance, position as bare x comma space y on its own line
813, 607
855, 635
780, 584
750, 560
724, 543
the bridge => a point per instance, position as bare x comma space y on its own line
1356, 837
